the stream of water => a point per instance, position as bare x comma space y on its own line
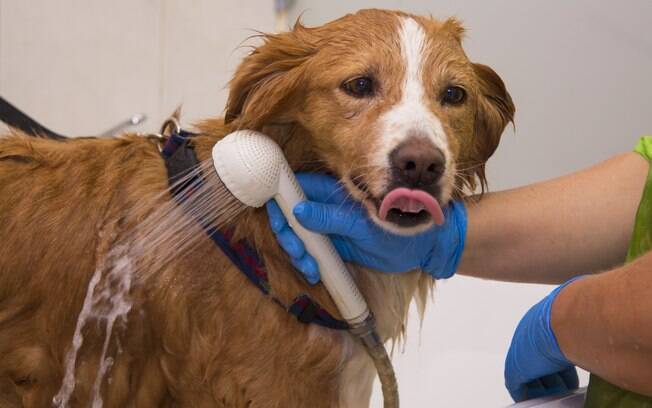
173, 227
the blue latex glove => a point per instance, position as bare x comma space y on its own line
535, 366
358, 239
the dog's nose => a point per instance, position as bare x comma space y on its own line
417, 163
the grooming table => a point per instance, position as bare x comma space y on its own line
573, 400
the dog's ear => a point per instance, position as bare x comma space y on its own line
268, 77
495, 111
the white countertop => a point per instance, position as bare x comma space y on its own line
573, 400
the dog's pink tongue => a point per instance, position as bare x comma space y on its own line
411, 201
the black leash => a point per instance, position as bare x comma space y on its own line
16, 118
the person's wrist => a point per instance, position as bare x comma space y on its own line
450, 239
548, 344
553, 320
459, 211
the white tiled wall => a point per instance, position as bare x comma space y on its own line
82, 66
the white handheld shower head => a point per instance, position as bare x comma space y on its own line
253, 168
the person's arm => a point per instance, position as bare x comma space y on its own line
550, 231
603, 323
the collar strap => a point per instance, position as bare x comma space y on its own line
180, 157
174, 142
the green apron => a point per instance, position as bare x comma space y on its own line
600, 393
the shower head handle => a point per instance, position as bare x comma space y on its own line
253, 168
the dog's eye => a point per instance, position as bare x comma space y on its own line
454, 95
360, 87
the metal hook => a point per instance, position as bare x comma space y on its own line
134, 120
171, 121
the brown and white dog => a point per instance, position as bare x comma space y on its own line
386, 101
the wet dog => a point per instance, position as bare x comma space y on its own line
385, 101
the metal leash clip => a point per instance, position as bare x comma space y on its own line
170, 127
173, 123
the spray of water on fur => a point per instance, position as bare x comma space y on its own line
128, 259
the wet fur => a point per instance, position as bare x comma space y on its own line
200, 334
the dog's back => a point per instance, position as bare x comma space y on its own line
60, 204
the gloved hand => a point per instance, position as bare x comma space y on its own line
535, 366
358, 239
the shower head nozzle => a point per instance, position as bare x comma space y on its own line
249, 164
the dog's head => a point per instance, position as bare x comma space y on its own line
386, 101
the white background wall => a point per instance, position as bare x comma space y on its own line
580, 74
80, 66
